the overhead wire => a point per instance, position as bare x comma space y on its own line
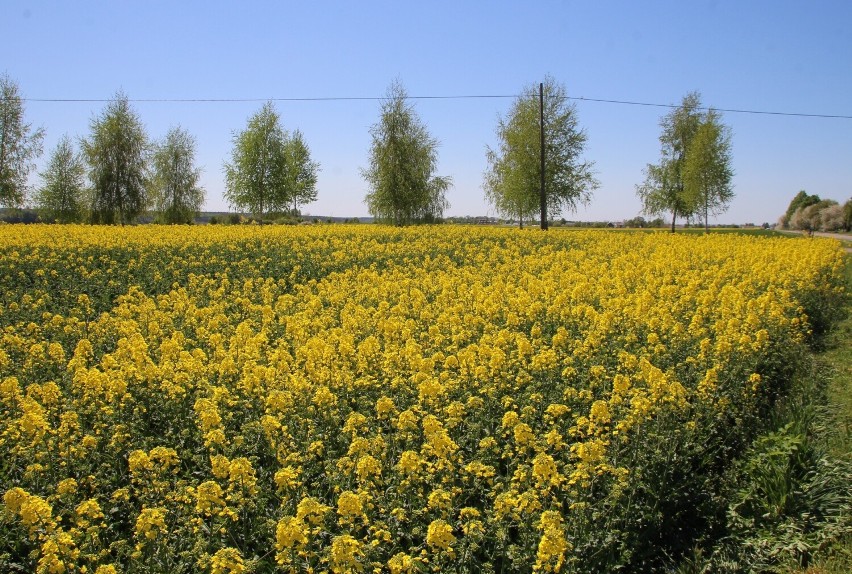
434, 97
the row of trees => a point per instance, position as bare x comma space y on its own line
692, 179
271, 170
117, 174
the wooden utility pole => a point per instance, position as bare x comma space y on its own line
541, 126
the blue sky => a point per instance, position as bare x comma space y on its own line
754, 55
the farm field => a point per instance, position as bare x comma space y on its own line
372, 399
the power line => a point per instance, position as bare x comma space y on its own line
250, 100
727, 110
448, 97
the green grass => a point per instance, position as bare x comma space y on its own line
753, 231
788, 497
836, 361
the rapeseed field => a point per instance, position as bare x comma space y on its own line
368, 399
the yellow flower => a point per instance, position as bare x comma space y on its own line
523, 434
220, 465
552, 546
384, 407
57, 553
291, 532
139, 461
401, 563
227, 561
35, 512
407, 420
209, 498
349, 507
287, 478
368, 467
66, 486
440, 535
439, 500
409, 462
599, 414
510, 419
345, 554
151, 522
87, 511
545, 471
165, 456
355, 422
312, 510
241, 474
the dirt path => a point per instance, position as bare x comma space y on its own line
845, 237
840, 236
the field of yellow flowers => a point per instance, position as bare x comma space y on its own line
368, 399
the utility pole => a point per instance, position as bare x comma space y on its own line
541, 125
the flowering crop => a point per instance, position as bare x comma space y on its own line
355, 399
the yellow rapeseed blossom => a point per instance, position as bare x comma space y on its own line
227, 561
349, 507
552, 547
401, 563
440, 536
345, 555
151, 523
365, 398
291, 532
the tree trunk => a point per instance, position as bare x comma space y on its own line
674, 215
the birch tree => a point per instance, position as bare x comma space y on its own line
663, 189
256, 177
301, 171
176, 195
403, 158
512, 183
61, 197
20, 145
117, 154
707, 171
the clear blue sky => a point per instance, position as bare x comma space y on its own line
756, 55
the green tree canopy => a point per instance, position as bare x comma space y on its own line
175, 193
664, 189
800, 201
707, 170
117, 153
61, 197
19, 145
824, 215
403, 159
256, 178
301, 172
512, 183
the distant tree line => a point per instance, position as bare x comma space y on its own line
809, 213
114, 176
116, 173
